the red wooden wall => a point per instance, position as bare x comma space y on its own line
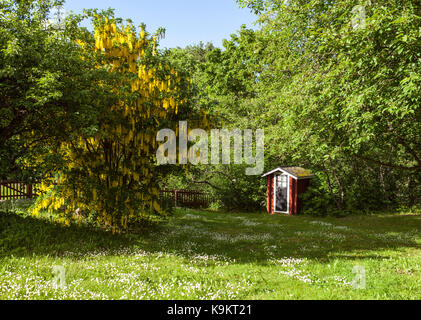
270, 204
302, 186
292, 196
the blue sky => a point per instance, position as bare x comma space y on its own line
186, 21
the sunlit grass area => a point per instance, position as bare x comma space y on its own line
208, 255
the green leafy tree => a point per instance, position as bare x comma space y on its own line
224, 84
48, 92
341, 94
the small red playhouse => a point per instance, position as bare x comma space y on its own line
285, 184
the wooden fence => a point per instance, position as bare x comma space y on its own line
186, 198
12, 190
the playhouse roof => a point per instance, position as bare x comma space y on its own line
295, 172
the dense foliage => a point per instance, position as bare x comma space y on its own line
112, 174
346, 95
47, 92
336, 86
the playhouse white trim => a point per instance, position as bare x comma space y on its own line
286, 173
274, 193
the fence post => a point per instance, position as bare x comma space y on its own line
30, 192
175, 198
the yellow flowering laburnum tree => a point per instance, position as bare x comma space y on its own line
111, 174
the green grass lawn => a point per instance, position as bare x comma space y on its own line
206, 255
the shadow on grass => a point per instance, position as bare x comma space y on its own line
26, 236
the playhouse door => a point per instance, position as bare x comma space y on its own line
281, 193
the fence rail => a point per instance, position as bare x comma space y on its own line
186, 198
13, 190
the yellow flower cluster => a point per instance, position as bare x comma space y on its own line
113, 175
